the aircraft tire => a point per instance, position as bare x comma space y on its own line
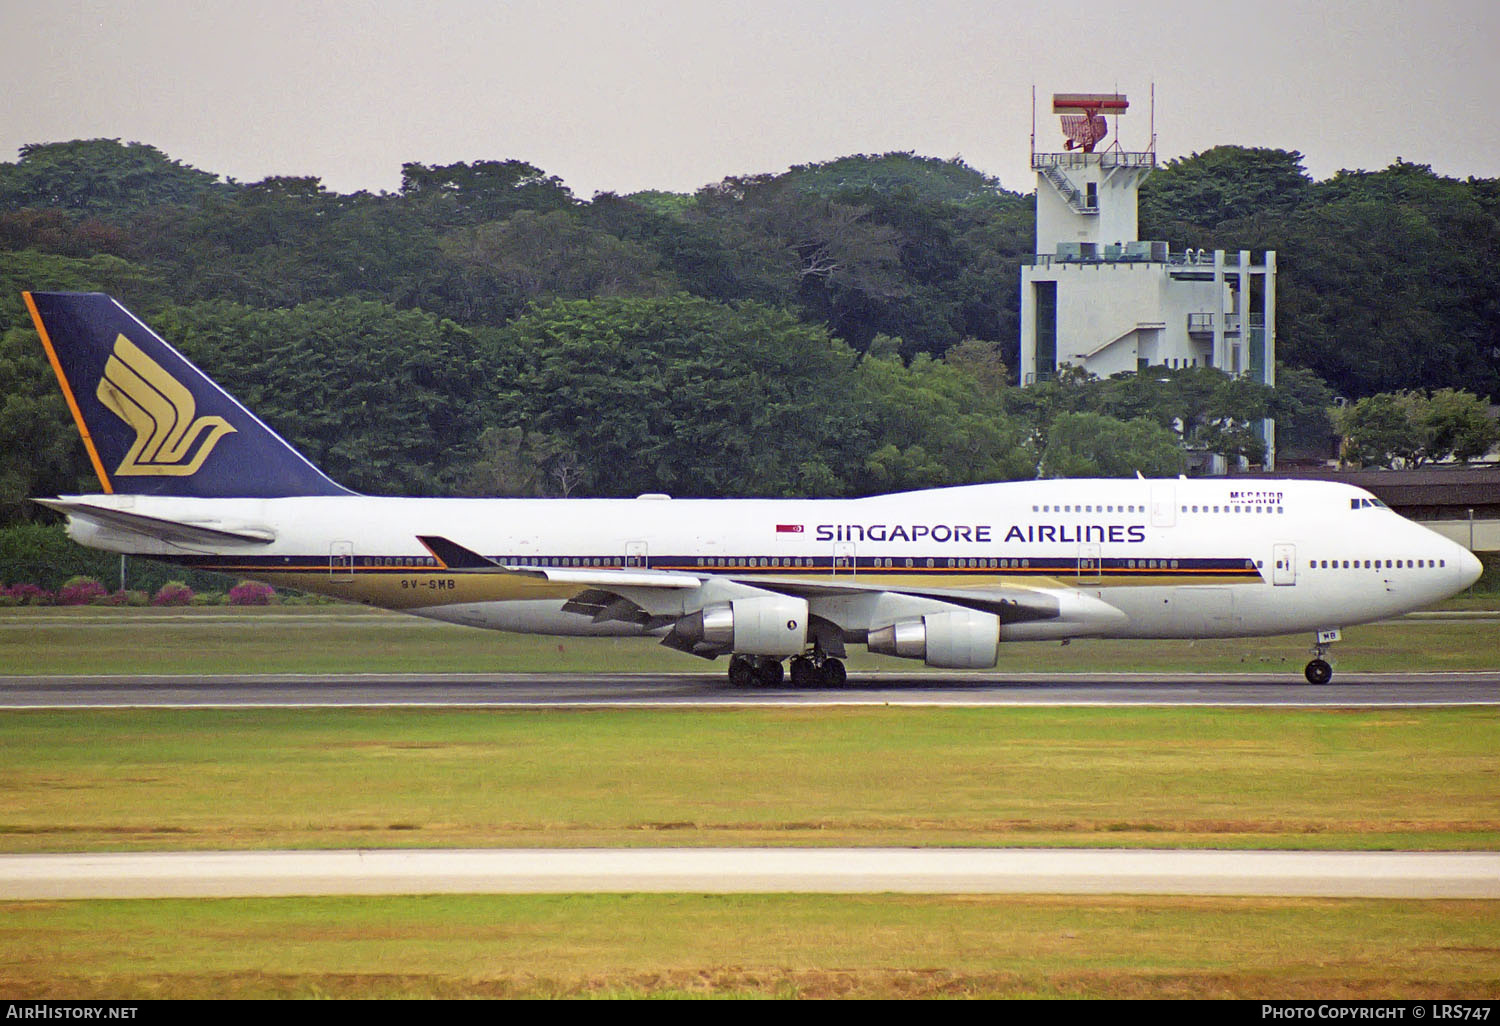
769, 673
833, 673
741, 672
1318, 672
804, 673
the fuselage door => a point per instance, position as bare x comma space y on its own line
1163, 505
1088, 562
1283, 564
843, 558
341, 561
635, 555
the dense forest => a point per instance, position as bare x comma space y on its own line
840, 329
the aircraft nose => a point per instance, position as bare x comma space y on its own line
1469, 567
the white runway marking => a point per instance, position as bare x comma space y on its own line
757, 870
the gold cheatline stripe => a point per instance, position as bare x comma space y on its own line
67, 391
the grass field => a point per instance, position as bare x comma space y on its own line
1255, 778
335, 778
877, 946
328, 639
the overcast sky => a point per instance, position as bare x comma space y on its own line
673, 94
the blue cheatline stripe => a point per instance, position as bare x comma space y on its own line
871, 565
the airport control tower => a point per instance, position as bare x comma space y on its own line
1098, 297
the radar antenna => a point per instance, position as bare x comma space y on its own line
1082, 115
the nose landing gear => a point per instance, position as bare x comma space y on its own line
1318, 671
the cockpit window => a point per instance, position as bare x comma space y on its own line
1361, 503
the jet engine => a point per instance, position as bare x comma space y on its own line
767, 625
965, 639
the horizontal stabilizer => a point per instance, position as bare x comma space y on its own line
196, 532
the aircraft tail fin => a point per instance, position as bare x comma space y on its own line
152, 422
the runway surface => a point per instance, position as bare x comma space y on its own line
752, 870
524, 690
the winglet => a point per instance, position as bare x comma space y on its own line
453, 556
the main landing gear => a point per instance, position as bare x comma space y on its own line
806, 672
1318, 671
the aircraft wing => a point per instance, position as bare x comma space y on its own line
1011, 605
183, 532
610, 594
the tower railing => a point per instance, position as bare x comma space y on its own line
1105, 159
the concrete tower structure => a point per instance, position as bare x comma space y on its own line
1098, 297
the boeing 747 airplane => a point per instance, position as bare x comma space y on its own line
945, 576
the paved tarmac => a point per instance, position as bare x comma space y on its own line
711, 689
752, 870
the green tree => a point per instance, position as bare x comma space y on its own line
511, 462
1301, 406
384, 401
486, 190
713, 256
1456, 425
501, 266
1384, 282
100, 176
942, 181
680, 395
1097, 445
283, 241
929, 424
1377, 431
1226, 183
839, 262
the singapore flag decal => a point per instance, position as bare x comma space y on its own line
788, 528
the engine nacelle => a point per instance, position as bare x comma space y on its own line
965, 639
768, 625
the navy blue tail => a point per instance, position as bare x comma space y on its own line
152, 422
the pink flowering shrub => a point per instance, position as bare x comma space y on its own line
81, 591
251, 593
29, 595
173, 593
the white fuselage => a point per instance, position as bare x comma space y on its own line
1119, 558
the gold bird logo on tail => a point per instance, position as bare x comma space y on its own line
140, 392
